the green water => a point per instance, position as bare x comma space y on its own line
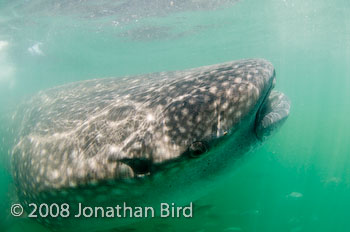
299, 180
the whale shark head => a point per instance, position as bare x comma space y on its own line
208, 106
143, 139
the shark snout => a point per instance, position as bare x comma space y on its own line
273, 111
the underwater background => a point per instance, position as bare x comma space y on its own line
298, 180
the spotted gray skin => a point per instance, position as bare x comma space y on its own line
142, 139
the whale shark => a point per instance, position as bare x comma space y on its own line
144, 139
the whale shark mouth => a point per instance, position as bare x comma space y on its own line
272, 113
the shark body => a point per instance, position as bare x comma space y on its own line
143, 139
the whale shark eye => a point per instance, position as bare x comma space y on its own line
197, 148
